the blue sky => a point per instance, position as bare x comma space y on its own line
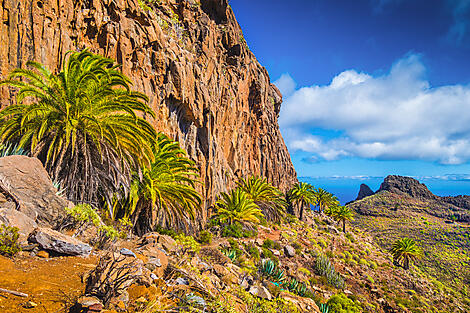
383, 85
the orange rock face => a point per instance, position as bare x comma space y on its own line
207, 89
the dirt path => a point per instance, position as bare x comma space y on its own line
48, 282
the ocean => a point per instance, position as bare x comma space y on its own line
346, 188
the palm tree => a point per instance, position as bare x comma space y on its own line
342, 214
268, 198
237, 206
164, 193
405, 250
325, 199
81, 123
304, 195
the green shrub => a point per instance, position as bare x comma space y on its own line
205, 237
339, 303
188, 243
237, 230
363, 262
270, 244
84, 216
252, 251
267, 254
370, 279
373, 265
164, 231
350, 237
9, 240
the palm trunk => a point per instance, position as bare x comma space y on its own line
302, 210
344, 226
406, 263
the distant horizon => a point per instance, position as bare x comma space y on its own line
346, 188
370, 86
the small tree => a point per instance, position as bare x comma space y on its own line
342, 214
269, 199
405, 250
303, 194
236, 206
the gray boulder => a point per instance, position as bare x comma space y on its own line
52, 240
289, 251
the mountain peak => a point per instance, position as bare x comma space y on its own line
406, 185
364, 191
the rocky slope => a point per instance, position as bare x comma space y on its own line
403, 207
207, 89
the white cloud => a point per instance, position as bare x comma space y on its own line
286, 84
396, 116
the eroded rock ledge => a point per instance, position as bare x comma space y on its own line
206, 87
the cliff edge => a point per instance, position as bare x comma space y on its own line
206, 87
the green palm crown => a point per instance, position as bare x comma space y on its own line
81, 122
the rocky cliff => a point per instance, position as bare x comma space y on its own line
208, 90
406, 185
364, 191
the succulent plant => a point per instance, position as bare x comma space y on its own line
324, 308
267, 267
292, 284
230, 253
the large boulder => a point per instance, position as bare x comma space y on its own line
26, 186
52, 240
14, 218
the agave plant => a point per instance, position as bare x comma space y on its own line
269, 199
278, 275
291, 284
82, 123
11, 149
325, 268
230, 253
324, 308
301, 290
267, 267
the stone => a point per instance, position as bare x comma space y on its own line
220, 270
31, 191
52, 240
261, 292
89, 304
229, 134
304, 304
43, 254
289, 251
14, 218
168, 243
125, 251
157, 260
30, 305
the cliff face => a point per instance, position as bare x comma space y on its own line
208, 90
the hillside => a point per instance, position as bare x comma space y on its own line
190, 58
403, 207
